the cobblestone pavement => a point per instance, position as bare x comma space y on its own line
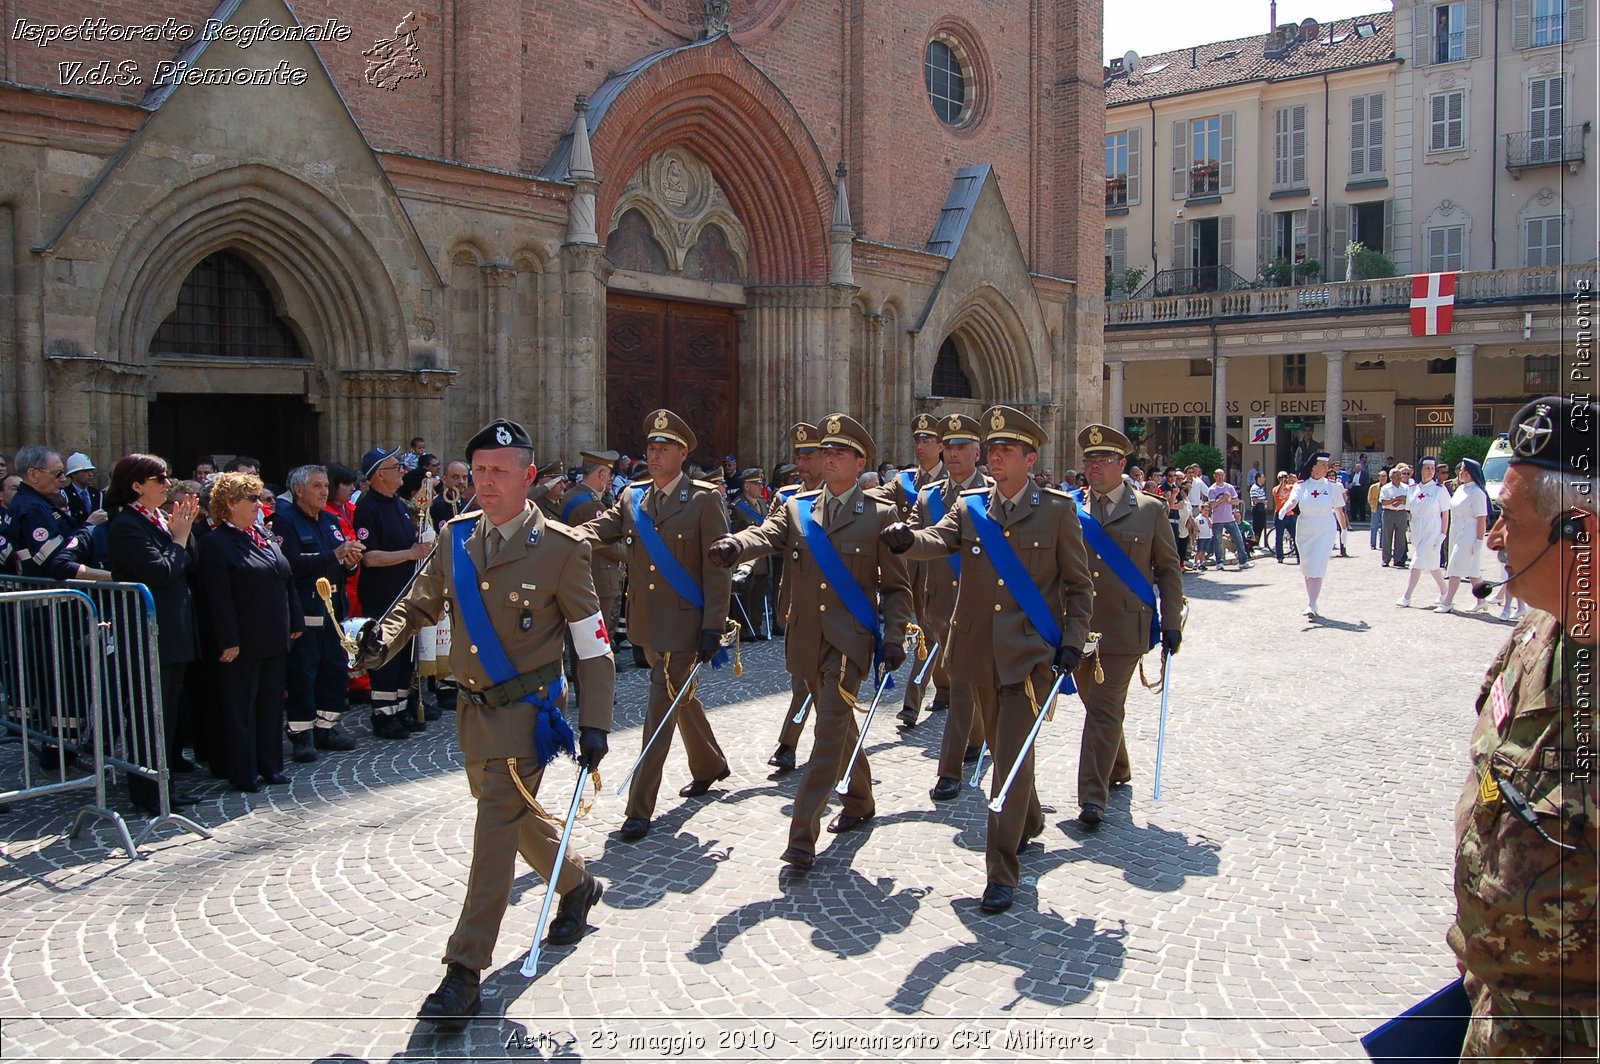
1290, 890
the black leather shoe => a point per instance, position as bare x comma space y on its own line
782, 759
696, 788
1027, 839
455, 1002
971, 755
908, 716
939, 706
946, 789
335, 739
1090, 817
634, 828
797, 858
997, 898
302, 746
389, 726
845, 822
572, 913
408, 718
276, 779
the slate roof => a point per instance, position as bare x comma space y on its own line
957, 210
1244, 60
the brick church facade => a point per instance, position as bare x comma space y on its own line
300, 231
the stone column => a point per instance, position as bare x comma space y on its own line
1115, 387
1333, 406
584, 318
1462, 420
497, 284
1219, 404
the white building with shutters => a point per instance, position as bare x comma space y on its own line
1237, 173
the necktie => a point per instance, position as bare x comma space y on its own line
832, 511
493, 545
1009, 507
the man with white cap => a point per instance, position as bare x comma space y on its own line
85, 502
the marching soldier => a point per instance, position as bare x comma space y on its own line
677, 604
588, 499
1022, 608
808, 462
517, 584
841, 582
318, 677
749, 509
384, 526
963, 728
1134, 562
906, 489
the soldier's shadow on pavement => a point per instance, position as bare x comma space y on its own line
849, 914
1151, 857
1057, 962
1324, 621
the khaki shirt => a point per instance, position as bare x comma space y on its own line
1139, 525
938, 599
537, 584
992, 642
1525, 910
817, 615
689, 520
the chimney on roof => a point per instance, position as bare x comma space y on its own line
1272, 16
1194, 58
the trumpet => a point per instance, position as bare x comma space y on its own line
347, 641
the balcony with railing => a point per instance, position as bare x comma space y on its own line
1536, 283
1556, 147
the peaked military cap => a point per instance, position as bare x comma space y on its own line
805, 436
663, 426
842, 430
605, 458
753, 473
499, 433
1556, 432
960, 428
1103, 439
925, 425
1004, 424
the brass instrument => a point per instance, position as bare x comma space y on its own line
347, 641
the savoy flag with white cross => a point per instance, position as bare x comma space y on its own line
1433, 302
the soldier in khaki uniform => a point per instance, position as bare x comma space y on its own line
827, 645
535, 585
1525, 934
1138, 524
963, 728
904, 489
749, 509
808, 460
588, 499
688, 515
995, 648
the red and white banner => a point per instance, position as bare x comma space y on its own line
1433, 303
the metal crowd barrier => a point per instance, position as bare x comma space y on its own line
128, 727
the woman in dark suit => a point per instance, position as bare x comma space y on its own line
146, 546
253, 612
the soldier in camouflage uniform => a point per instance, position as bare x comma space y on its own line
1528, 821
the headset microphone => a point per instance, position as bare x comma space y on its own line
1566, 528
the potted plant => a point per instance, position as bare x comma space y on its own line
1307, 270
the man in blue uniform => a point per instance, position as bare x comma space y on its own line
42, 535
317, 676
386, 529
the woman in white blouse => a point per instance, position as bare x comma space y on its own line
1429, 504
1320, 503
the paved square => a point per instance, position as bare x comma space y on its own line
1290, 890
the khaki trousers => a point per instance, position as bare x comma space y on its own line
1103, 755
790, 734
506, 826
963, 727
706, 761
835, 739
1007, 716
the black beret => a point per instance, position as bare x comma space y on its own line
1556, 432
499, 433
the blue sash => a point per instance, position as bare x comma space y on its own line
936, 511
578, 498
827, 555
656, 547
1117, 560
1023, 590
552, 734
751, 511
908, 484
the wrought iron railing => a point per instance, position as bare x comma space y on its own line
1552, 148
1383, 292
1189, 281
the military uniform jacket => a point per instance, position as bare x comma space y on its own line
689, 520
739, 520
43, 538
892, 491
1525, 910
992, 642
938, 597
1139, 525
607, 558
817, 615
538, 583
